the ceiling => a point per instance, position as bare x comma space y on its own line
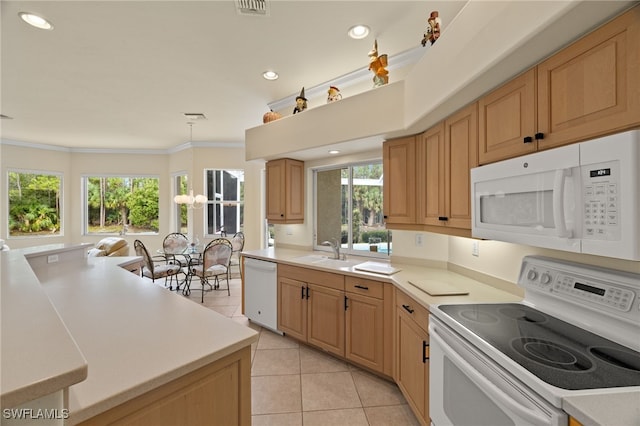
121, 74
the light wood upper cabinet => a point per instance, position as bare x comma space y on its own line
507, 120
587, 90
431, 174
285, 191
592, 87
446, 153
399, 168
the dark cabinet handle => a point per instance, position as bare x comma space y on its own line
528, 139
346, 305
425, 345
362, 287
302, 292
444, 218
408, 309
385, 216
281, 214
539, 136
307, 292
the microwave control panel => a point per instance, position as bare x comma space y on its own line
601, 195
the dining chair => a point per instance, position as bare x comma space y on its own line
215, 261
237, 242
154, 270
174, 248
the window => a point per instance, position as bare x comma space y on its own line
120, 205
348, 206
34, 204
225, 208
180, 185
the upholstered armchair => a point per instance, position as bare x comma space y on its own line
110, 246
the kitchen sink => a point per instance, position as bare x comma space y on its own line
322, 260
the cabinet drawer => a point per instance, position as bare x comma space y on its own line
307, 275
419, 313
365, 287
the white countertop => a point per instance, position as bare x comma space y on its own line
134, 335
38, 354
607, 409
478, 292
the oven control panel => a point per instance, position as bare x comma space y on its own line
595, 286
602, 300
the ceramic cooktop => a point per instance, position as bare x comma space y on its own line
557, 352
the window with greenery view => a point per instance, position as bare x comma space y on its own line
35, 200
225, 208
118, 205
348, 207
182, 212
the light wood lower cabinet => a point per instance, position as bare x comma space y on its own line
346, 316
309, 311
217, 394
365, 316
412, 355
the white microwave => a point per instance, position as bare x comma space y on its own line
583, 198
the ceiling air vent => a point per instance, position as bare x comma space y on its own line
253, 7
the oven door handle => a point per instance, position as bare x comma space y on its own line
493, 391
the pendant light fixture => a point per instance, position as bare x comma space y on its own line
191, 201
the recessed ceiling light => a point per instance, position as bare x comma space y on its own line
358, 31
334, 152
35, 20
270, 75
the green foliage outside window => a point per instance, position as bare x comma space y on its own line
122, 204
34, 204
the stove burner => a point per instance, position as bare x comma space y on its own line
551, 354
479, 316
616, 357
522, 314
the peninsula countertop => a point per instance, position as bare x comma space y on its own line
135, 336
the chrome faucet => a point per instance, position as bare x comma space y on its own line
335, 246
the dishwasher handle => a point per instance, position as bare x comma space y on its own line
260, 265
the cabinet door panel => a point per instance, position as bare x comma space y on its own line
461, 133
325, 318
365, 333
506, 116
412, 371
591, 88
431, 174
295, 190
399, 159
292, 308
275, 197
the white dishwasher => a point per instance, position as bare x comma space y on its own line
261, 292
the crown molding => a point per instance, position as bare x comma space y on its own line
178, 148
408, 57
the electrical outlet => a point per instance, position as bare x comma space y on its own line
52, 258
475, 248
418, 240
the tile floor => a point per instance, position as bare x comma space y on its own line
295, 384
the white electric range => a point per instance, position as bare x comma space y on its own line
577, 332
